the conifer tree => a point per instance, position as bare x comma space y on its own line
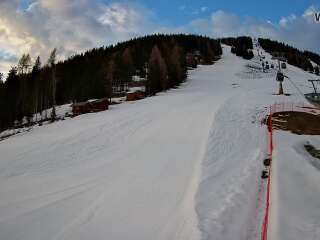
52, 65
24, 64
158, 74
109, 71
127, 65
175, 68
35, 78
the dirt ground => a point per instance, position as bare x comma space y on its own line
301, 123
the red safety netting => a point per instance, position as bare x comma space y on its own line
264, 234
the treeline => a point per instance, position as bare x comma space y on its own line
32, 87
293, 55
241, 46
28, 89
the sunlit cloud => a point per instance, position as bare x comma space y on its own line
71, 26
301, 31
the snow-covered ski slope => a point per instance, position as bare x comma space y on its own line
185, 164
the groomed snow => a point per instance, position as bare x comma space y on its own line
183, 165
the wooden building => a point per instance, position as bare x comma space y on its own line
90, 106
136, 93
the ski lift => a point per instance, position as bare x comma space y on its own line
315, 96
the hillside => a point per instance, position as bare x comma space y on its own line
184, 164
31, 88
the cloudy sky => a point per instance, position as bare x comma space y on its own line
72, 26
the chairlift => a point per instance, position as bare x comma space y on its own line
315, 96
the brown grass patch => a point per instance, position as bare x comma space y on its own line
301, 123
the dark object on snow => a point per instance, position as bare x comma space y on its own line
283, 65
272, 66
280, 76
267, 66
264, 174
90, 107
267, 162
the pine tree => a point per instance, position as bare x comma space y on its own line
35, 78
127, 65
209, 56
11, 95
158, 75
23, 68
24, 64
109, 71
2, 104
175, 69
52, 65
316, 70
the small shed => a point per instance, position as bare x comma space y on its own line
136, 93
90, 106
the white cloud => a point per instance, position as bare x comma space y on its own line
70, 25
223, 24
301, 31
285, 21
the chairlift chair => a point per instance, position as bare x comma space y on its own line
315, 96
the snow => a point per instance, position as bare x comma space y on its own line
135, 89
298, 192
185, 164
61, 111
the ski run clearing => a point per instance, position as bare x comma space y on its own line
184, 164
